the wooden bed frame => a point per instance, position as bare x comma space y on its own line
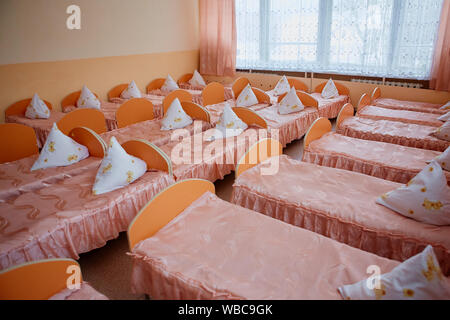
20, 107
17, 141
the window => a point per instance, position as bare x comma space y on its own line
380, 38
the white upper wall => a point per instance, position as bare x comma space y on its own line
35, 30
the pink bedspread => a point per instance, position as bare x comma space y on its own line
42, 127
379, 159
154, 99
196, 157
86, 292
216, 250
330, 108
408, 105
150, 130
16, 177
109, 110
196, 94
406, 134
215, 110
379, 113
65, 219
290, 126
341, 205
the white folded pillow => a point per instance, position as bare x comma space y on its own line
175, 117
88, 100
117, 170
443, 132
282, 86
37, 109
247, 97
59, 151
330, 91
132, 91
418, 278
426, 198
197, 80
444, 159
446, 106
169, 85
445, 117
229, 124
290, 103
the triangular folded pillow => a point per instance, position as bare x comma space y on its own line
132, 91
169, 85
37, 109
443, 132
59, 151
418, 278
282, 86
176, 117
426, 198
88, 100
229, 124
247, 97
118, 169
445, 117
290, 103
197, 80
330, 91
444, 159
446, 106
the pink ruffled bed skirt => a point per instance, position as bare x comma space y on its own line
86, 292
408, 105
103, 220
383, 244
428, 143
382, 171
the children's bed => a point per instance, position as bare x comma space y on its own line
189, 244
404, 105
154, 89
365, 110
405, 134
183, 83
329, 108
65, 218
379, 159
46, 280
16, 176
338, 204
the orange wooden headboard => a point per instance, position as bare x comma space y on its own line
238, 85
307, 99
196, 111
17, 141
37, 280
298, 84
117, 91
250, 117
319, 127
185, 78
155, 84
133, 111
347, 111
213, 93
182, 95
91, 118
151, 154
90, 139
20, 107
364, 101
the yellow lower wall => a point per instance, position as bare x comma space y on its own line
54, 80
268, 81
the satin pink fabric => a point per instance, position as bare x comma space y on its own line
341, 205
156, 100
330, 108
196, 94
378, 159
196, 157
378, 113
109, 110
65, 219
218, 37
42, 127
409, 105
149, 130
291, 126
86, 292
406, 134
16, 177
216, 250
440, 75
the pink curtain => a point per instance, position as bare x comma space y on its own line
217, 37
440, 73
